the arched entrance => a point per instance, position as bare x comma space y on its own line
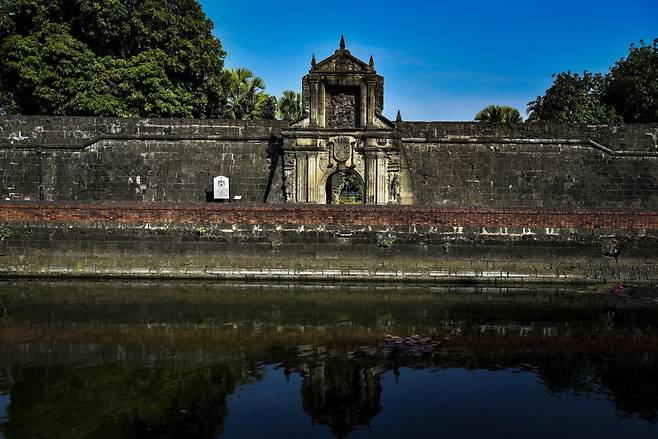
345, 187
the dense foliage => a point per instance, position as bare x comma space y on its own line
499, 114
573, 98
290, 106
629, 92
632, 85
246, 97
117, 58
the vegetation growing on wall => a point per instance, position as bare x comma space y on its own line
5, 232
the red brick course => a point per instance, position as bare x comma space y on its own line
135, 213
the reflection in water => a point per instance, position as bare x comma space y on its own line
169, 360
341, 393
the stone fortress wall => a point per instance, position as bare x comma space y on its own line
449, 164
95, 159
445, 201
533, 165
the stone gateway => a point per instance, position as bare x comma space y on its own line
343, 130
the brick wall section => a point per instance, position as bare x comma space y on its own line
142, 213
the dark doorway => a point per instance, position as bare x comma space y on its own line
345, 187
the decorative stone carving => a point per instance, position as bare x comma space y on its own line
342, 96
393, 187
342, 111
342, 146
378, 123
342, 64
289, 171
393, 162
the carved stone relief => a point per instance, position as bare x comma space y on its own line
289, 171
342, 148
342, 111
393, 168
340, 65
393, 187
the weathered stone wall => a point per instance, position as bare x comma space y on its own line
466, 165
379, 243
533, 165
59, 158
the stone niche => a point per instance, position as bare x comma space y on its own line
342, 107
342, 131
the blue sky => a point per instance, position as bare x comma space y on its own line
440, 60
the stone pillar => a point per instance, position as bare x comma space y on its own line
382, 178
371, 103
311, 173
314, 86
302, 177
371, 177
322, 106
363, 117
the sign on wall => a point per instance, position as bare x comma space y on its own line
221, 188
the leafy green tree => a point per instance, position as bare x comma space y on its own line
573, 98
289, 106
110, 57
246, 97
499, 114
632, 84
266, 107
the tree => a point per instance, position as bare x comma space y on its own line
289, 106
632, 84
499, 114
573, 98
112, 58
246, 97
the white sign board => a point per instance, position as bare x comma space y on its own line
220, 188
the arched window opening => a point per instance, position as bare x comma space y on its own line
345, 187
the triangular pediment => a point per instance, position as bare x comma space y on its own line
343, 61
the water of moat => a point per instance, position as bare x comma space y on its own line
180, 360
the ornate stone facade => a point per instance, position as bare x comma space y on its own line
342, 110
342, 130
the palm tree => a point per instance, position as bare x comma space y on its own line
246, 97
499, 114
289, 106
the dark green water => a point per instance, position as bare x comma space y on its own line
163, 360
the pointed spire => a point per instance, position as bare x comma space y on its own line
342, 42
372, 61
313, 63
398, 118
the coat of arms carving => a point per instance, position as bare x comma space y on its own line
342, 146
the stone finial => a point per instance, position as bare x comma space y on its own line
313, 63
372, 61
398, 118
342, 42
